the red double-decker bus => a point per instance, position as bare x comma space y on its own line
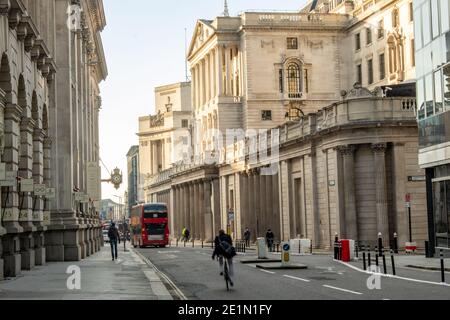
149, 225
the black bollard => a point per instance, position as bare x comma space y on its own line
380, 245
193, 243
384, 264
203, 245
442, 267
369, 259
393, 263
185, 243
364, 261
177, 243
357, 250
377, 260
395, 243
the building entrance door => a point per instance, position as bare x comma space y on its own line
441, 191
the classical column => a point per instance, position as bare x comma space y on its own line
25, 199
212, 78
270, 217
219, 71
207, 222
11, 242
351, 217
196, 213
227, 71
379, 152
38, 177
207, 79
276, 205
264, 223
258, 230
192, 209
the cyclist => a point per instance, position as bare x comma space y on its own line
224, 248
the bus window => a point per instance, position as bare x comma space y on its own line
156, 228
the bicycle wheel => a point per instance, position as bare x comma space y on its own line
225, 274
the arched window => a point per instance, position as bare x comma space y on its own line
294, 79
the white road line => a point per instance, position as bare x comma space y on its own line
159, 273
270, 272
343, 290
295, 278
395, 277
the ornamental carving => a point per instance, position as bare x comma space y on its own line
379, 147
346, 150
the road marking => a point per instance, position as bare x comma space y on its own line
161, 274
343, 290
295, 278
394, 277
269, 272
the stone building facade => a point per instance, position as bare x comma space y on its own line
345, 151
49, 100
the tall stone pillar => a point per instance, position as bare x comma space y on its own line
207, 223
195, 211
351, 217
178, 212
191, 207
258, 230
215, 205
198, 208
264, 223
38, 208
379, 152
25, 199
268, 199
173, 210
276, 206
244, 192
187, 219
11, 242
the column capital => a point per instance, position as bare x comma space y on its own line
5, 6
346, 150
379, 147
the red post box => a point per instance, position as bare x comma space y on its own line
346, 255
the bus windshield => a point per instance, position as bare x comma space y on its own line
155, 211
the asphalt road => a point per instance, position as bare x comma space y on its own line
197, 276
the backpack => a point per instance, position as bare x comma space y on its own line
228, 250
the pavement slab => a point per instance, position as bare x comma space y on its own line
128, 278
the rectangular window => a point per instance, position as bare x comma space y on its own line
446, 72
439, 108
418, 28
359, 74
184, 123
426, 23
266, 115
368, 36
413, 53
281, 80
429, 95
358, 41
444, 8
421, 99
435, 18
411, 12
382, 66
370, 71
292, 43
381, 29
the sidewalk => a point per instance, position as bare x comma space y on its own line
129, 278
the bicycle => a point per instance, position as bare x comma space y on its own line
226, 275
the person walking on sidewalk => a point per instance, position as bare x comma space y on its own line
270, 237
247, 236
114, 237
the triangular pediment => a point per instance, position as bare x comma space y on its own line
202, 33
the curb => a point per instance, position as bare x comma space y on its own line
164, 278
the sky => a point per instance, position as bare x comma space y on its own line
144, 43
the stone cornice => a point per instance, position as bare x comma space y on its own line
38, 134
